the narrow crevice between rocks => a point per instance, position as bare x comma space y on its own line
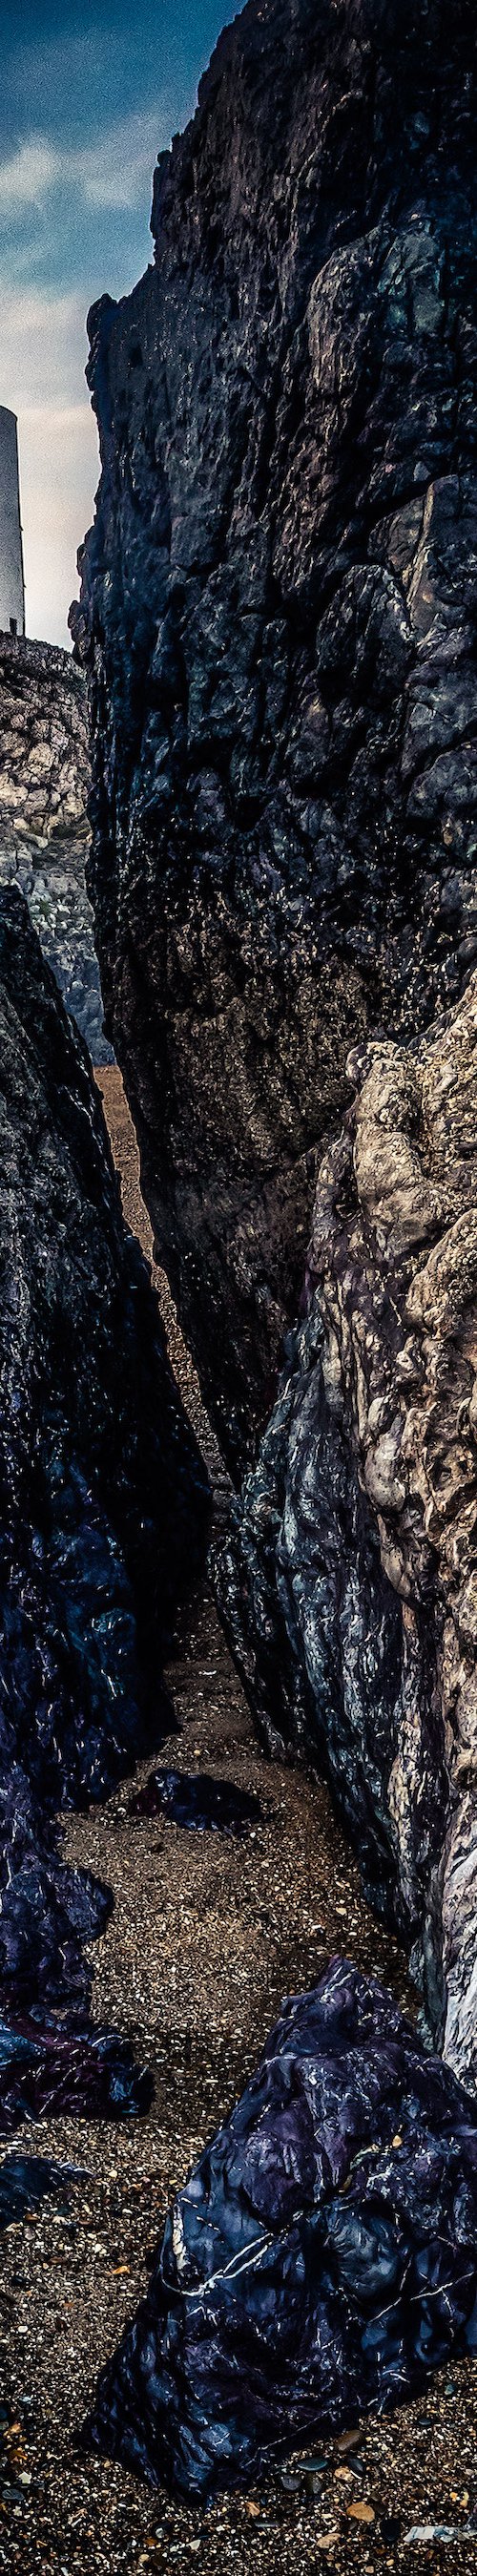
205, 1940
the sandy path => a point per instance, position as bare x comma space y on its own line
205, 1939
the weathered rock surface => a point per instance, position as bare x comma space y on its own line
279, 614
320, 2260
199, 1802
44, 831
26, 2180
350, 1581
59, 2064
103, 1496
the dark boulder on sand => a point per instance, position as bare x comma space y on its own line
320, 2260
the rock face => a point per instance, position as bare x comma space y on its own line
103, 1497
350, 1581
44, 832
279, 615
320, 2260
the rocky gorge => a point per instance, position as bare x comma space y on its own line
278, 622
279, 619
277, 631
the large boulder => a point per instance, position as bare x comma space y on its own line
103, 1496
349, 1584
278, 612
320, 2260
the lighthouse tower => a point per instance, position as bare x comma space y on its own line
12, 587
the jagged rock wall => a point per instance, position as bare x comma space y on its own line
279, 613
103, 1496
349, 1584
44, 830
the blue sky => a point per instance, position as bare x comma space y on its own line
88, 96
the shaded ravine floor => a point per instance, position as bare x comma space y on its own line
206, 1937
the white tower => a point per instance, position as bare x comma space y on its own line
12, 587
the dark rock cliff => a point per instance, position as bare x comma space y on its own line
279, 612
349, 1583
103, 1497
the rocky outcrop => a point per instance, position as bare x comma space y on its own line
320, 2260
278, 612
44, 831
350, 1580
103, 1496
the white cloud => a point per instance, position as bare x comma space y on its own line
113, 171
42, 377
59, 473
44, 346
27, 175
43, 336
117, 170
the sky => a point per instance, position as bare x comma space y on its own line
90, 92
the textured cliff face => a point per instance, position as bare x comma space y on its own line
279, 613
44, 832
44, 761
350, 1581
103, 1498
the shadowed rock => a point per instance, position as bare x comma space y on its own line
278, 611
350, 1582
53, 2067
27, 2180
103, 1495
201, 1804
319, 2262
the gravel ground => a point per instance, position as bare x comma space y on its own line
206, 1938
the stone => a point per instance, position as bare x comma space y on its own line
309, 2268
56, 2065
278, 619
44, 829
199, 1803
27, 2180
104, 1500
349, 1580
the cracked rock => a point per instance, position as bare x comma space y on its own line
320, 2260
278, 618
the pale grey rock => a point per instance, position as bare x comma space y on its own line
44, 829
349, 1584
